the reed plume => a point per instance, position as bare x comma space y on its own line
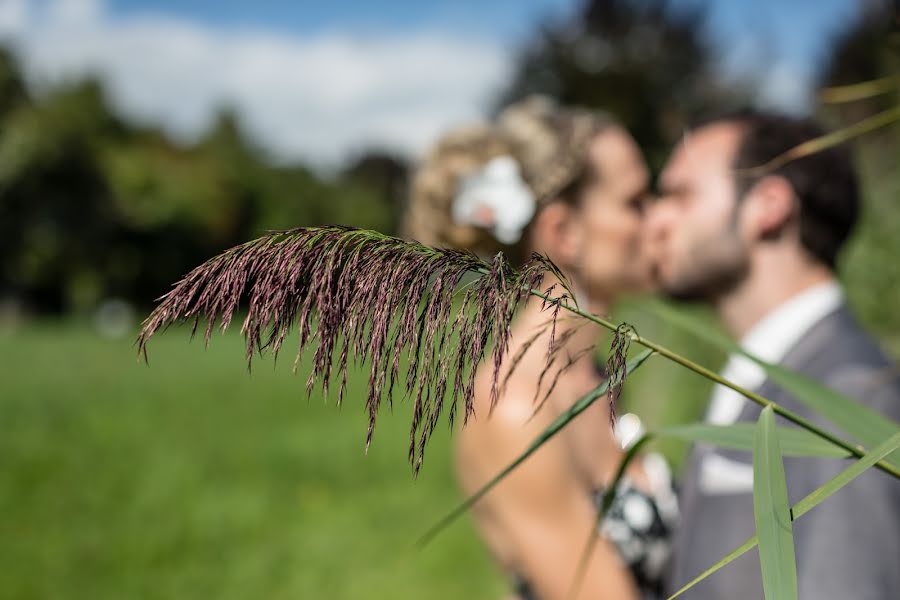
360, 295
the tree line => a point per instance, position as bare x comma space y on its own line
93, 206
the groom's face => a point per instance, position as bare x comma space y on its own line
692, 231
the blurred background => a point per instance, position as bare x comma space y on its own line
140, 137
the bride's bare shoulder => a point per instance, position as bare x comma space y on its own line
512, 413
492, 438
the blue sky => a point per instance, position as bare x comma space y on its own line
791, 36
506, 19
320, 80
796, 29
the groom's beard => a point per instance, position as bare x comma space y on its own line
713, 268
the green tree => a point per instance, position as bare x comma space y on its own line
644, 61
861, 79
92, 206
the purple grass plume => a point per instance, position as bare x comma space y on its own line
617, 367
361, 295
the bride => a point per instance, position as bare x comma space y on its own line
570, 184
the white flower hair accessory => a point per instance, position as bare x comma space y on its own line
495, 198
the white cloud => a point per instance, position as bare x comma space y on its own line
787, 87
780, 83
13, 16
317, 98
75, 12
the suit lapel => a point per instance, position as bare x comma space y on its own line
799, 358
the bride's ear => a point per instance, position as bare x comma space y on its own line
555, 234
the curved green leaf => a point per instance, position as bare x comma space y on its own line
772, 513
739, 436
868, 426
725, 560
812, 500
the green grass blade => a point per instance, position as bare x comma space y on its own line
727, 559
806, 504
866, 425
772, 513
555, 427
860, 421
606, 502
739, 436
846, 476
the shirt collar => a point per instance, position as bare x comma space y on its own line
773, 336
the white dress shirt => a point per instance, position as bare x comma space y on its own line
770, 339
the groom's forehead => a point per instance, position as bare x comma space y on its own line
703, 153
712, 144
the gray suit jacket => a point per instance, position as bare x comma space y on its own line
848, 547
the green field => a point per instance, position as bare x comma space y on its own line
192, 479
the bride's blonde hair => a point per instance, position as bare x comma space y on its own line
550, 145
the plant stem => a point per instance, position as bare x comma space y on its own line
860, 91
825, 142
854, 449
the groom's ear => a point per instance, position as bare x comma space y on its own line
769, 208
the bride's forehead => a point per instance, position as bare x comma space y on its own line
614, 153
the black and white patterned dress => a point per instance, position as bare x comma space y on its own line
640, 524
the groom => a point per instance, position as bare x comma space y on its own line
760, 245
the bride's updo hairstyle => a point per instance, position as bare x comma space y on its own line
480, 187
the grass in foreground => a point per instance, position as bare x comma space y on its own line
193, 479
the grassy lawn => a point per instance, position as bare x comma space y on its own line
192, 479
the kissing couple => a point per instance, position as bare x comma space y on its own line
760, 247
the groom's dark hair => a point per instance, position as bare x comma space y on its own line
824, 182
